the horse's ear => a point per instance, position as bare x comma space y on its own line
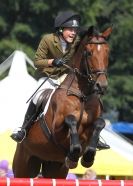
83, 31
107, 32
92, 30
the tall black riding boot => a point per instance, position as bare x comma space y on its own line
30, 117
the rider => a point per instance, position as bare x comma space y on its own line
53, 51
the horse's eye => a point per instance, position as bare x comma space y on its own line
89, 53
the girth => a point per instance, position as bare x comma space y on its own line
50, 135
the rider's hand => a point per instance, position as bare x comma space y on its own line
58, 62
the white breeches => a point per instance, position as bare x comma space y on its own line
50, 83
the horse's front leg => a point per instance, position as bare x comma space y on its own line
75, 147
90, 151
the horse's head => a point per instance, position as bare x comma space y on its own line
96, 59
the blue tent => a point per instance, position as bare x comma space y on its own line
122, 127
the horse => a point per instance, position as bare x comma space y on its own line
71, 127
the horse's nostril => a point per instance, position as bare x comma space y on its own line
100, 88
104, 89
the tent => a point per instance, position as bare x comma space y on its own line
108, 162
122, 127
116, 161
15, 90
7, 146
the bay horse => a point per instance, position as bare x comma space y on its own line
71, 126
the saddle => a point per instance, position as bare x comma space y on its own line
42, 100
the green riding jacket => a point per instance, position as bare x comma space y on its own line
50, 48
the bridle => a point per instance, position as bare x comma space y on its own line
90, 73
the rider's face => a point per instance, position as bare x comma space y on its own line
69, 34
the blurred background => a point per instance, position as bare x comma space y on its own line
22, 24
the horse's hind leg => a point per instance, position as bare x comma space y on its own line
90, 151
24, 165
20, 165
54, 169
75, 147
34, 165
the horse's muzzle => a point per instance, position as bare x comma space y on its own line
100, 88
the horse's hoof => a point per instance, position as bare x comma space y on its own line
88, 157
75, 149
74, 154
86, 164
90, 149
70, 164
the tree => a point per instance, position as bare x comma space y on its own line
23, 23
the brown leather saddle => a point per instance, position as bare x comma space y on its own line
42, 100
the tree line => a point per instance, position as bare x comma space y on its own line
23, 23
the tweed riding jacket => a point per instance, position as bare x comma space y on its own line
50, 48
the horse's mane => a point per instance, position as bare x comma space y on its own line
83, 32
82, 39
92, 30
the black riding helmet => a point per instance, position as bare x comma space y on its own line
67, 19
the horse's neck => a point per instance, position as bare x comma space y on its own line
75, 84
73, 80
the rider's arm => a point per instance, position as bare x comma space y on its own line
49, 49
41, 56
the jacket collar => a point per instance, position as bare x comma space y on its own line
57, 43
